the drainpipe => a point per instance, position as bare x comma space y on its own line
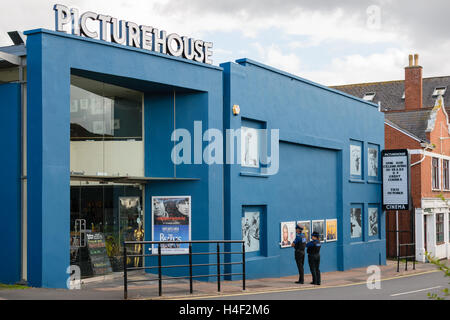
24, 229
428, 146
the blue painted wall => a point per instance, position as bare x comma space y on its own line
313, 183
10, 216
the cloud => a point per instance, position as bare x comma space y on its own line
273, 56
285, 31
388, 65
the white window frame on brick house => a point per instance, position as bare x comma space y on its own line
438, 174
441, 222
445, 175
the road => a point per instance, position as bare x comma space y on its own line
413, 287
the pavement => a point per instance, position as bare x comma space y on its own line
111, 288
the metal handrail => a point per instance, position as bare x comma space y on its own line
160, 278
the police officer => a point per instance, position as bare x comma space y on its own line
299, 244
313, 249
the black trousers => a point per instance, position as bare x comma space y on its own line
314, 262
300, 260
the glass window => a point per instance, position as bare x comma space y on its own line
356, 222
373, 222
106, 125
102, 217
356, 159
439, 91
439, 228
9, 74
435, 173
253, 226
369, 96
100, 111
445, 174
249, 147
250, 230
372, 159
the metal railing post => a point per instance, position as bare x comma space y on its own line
243, 266
407, 257
159, 270
191, 289
125, 276
218, 266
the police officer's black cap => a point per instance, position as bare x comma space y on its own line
315, 234
298, 227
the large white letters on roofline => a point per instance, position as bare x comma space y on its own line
107, 28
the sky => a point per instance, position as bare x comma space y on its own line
326, 41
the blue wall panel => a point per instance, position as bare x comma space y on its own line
315, 126
10, 251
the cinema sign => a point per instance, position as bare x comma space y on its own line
129, 33
396, 179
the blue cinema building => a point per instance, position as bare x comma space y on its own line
88, 142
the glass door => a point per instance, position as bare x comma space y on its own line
102, 217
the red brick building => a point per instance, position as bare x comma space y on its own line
416, 119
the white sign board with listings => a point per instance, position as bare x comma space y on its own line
396, 184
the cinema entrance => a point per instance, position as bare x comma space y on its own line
106, 150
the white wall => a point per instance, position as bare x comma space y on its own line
430, 207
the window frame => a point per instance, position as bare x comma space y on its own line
436, 89
437, 174
445, 174
442, 232
369, 96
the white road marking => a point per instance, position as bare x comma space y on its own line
409, 292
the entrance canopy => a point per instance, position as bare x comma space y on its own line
125, 179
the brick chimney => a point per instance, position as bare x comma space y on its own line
413, 84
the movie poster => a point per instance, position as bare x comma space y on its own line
249, 147
250, 231
373, 222
355, 160
355, 223
373, 162
306, 225
171, 217
319, 227
287, 234
331, 230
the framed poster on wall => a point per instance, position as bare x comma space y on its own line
355, 160
287, 234
319, 227
331, 230
251, 230
249, 147
372, 165
356, 222
171, 221
306, 225
373, 221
